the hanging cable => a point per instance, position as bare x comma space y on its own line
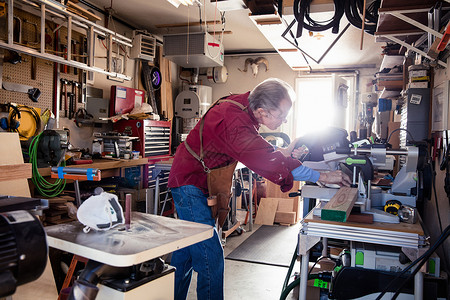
304, 20
25, 135
421, 260
398, 129
354, 10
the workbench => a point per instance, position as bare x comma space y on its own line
149, 237
410, 237
109, 167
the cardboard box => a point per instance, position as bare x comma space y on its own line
418, 85
418, 73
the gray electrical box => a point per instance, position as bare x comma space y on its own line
415, 115
98, 108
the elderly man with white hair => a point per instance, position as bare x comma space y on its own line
201, 174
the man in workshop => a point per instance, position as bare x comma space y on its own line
204, 165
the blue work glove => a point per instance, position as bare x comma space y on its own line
303, 173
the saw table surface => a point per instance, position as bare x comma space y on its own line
149, 237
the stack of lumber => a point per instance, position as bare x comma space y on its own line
273, 191
276, 210
78, 10
13, 171
61, 210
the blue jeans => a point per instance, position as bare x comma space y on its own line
206, 257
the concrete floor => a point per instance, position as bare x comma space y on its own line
245, 280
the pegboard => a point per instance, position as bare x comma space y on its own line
68, 73
21, 72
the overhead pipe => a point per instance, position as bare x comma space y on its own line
106, 14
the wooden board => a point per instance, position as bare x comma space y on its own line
266, 211
273, 191
166, 86
360, 218
339, 207
90, 16
285, 217
11, 154
16, 171
286, 205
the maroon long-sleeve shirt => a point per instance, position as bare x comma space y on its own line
230, 134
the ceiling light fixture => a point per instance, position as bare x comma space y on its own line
177, 3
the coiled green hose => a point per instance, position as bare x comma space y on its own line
44, 187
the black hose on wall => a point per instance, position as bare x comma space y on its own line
353, 10
302, 15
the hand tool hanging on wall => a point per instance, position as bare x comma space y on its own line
71, 105
64, 84
33, 93
75, 87
33, 67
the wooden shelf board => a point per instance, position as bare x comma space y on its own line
387, 22
408, 37
392, 85
406, 4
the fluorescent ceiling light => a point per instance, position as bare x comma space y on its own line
177, 3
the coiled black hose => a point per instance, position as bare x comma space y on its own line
304, 20
353, 10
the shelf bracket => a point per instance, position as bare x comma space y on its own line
412, 48
400, 14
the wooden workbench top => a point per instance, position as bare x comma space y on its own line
104, 164
401, 227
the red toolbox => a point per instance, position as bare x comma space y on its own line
124, 99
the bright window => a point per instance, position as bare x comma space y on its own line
324, 101
314, 109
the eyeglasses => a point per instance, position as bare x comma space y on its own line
282, 118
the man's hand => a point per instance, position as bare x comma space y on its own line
297, 153
336, 177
